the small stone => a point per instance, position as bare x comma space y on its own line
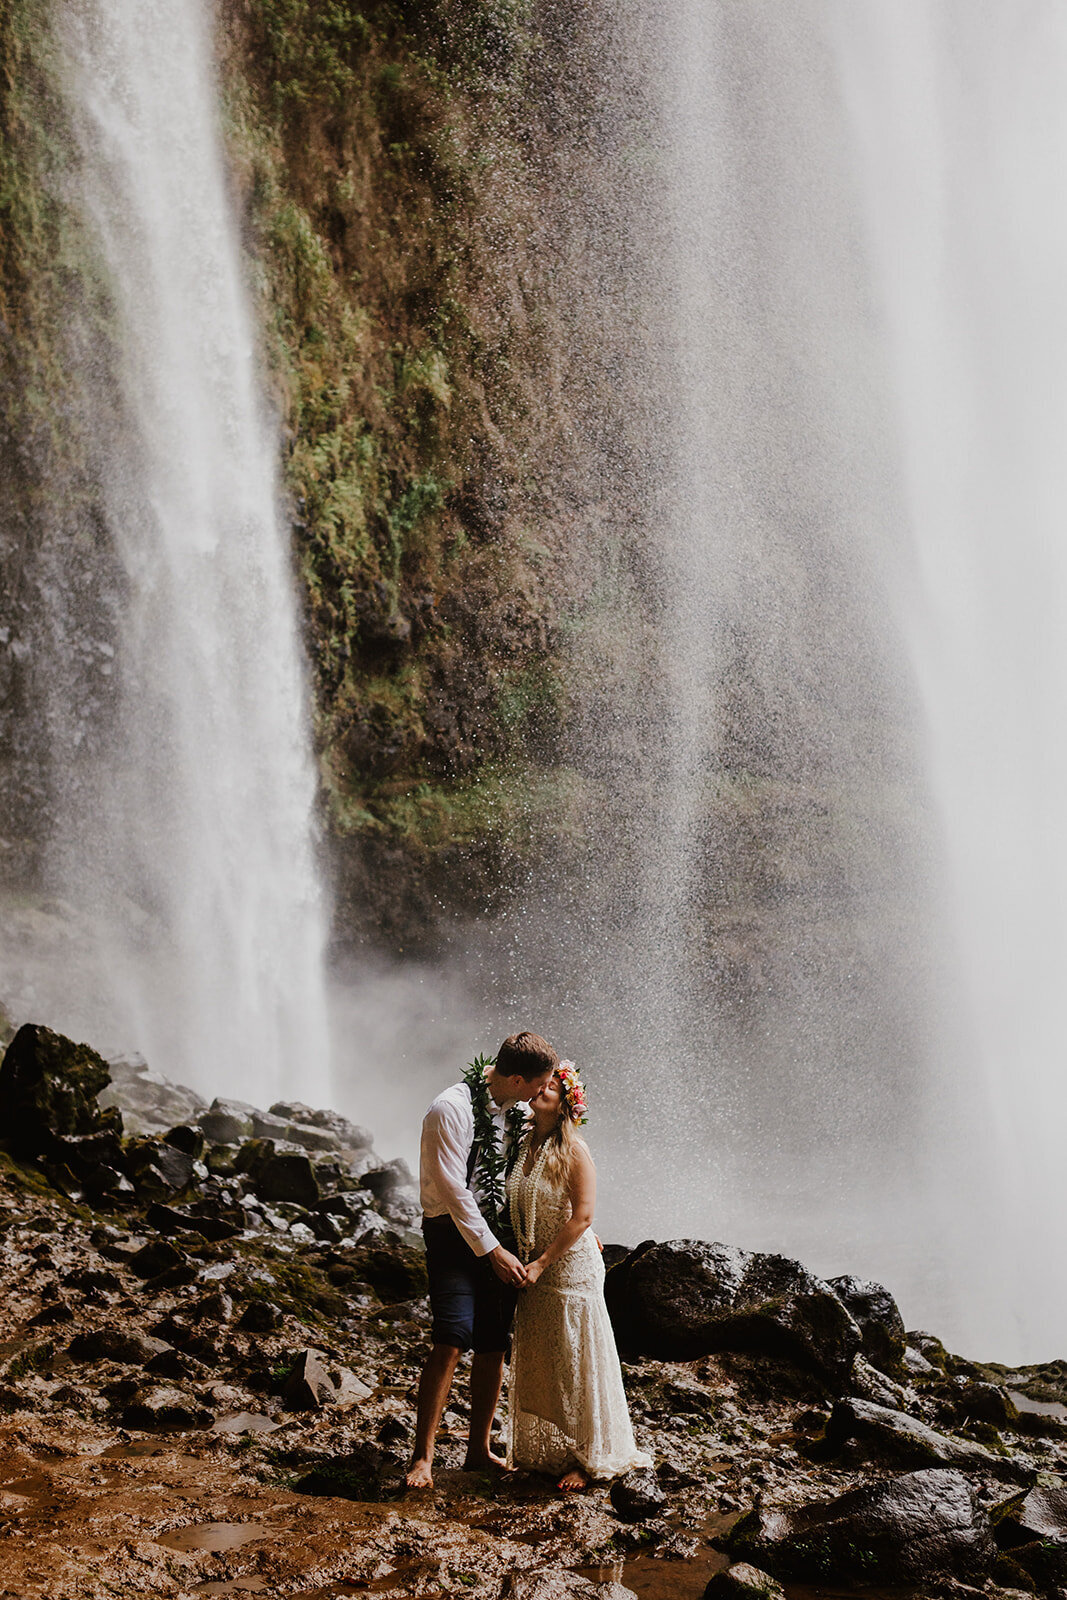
309, 1386
260, 1316
187, 1139
637, 1496
115, 1344
215, 1307
743, 1582
165, 1408
155, 1258
52, 1316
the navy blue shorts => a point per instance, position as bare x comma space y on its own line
471, 1308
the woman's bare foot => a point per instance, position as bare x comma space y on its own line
482, 1460
574, 1481
420, 1475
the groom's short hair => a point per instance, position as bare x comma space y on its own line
526, 1055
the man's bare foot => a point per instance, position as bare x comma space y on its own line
483, 1460
573, 1481
419, 1475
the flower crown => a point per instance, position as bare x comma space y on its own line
573, 1095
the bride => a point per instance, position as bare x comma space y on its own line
567, 1408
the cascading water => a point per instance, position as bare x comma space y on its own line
186, 833
959, 118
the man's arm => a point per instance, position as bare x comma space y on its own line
445, 1150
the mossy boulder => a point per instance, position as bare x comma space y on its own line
686, 1298
48, 1090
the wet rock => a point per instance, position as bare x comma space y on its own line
1037, 1513
318, 1140
55, 1315
287, 1177
130, 1348
227, 1121
557, 1583
878, 1318
164, 1408
349, 1135
48, 1090
684, 1299
169, 1220
260, 1316
214, 1307
743, 1582
637, 1496
309, 1386
156, 1258
929, 1346
94, 1282
177, 1365
149, 1102
265, 1126
870, 1383
366, 1472
159, 1171
187, 1138
914, 1527
392, 1186
981, 1402
903, 1441
395, 1272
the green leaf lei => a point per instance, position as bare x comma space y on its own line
493, 1164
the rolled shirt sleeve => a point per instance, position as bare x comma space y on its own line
447, 1135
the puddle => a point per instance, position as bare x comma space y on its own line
653, 1578
232, 1586
1043, 1408
214, 1537
137, 1447
245, 1422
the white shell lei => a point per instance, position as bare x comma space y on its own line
524, 1237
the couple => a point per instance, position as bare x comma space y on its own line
507, 1199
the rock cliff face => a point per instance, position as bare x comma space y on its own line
394, 172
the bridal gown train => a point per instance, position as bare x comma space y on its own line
567, 1406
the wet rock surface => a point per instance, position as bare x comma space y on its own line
173, 1369
687, 1298
921, 1525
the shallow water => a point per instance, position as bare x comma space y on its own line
214, 1537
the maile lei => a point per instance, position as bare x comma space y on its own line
493, 1163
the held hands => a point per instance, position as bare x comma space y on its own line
533, 1272
508, 1268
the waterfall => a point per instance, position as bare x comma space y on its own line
959, 133
186, 832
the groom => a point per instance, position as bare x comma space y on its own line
474, 1279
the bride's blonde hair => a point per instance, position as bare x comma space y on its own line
560, 1147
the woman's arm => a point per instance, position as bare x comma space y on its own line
581, 1190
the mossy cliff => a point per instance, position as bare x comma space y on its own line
388, 167
391, 201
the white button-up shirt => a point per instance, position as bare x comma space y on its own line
447, 1138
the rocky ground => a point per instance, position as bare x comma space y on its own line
211, 1325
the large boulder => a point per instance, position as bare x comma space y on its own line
686, 1298
875, 1313
908, 1529
902, 1441
48, 1090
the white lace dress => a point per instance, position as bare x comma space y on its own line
566, 1403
